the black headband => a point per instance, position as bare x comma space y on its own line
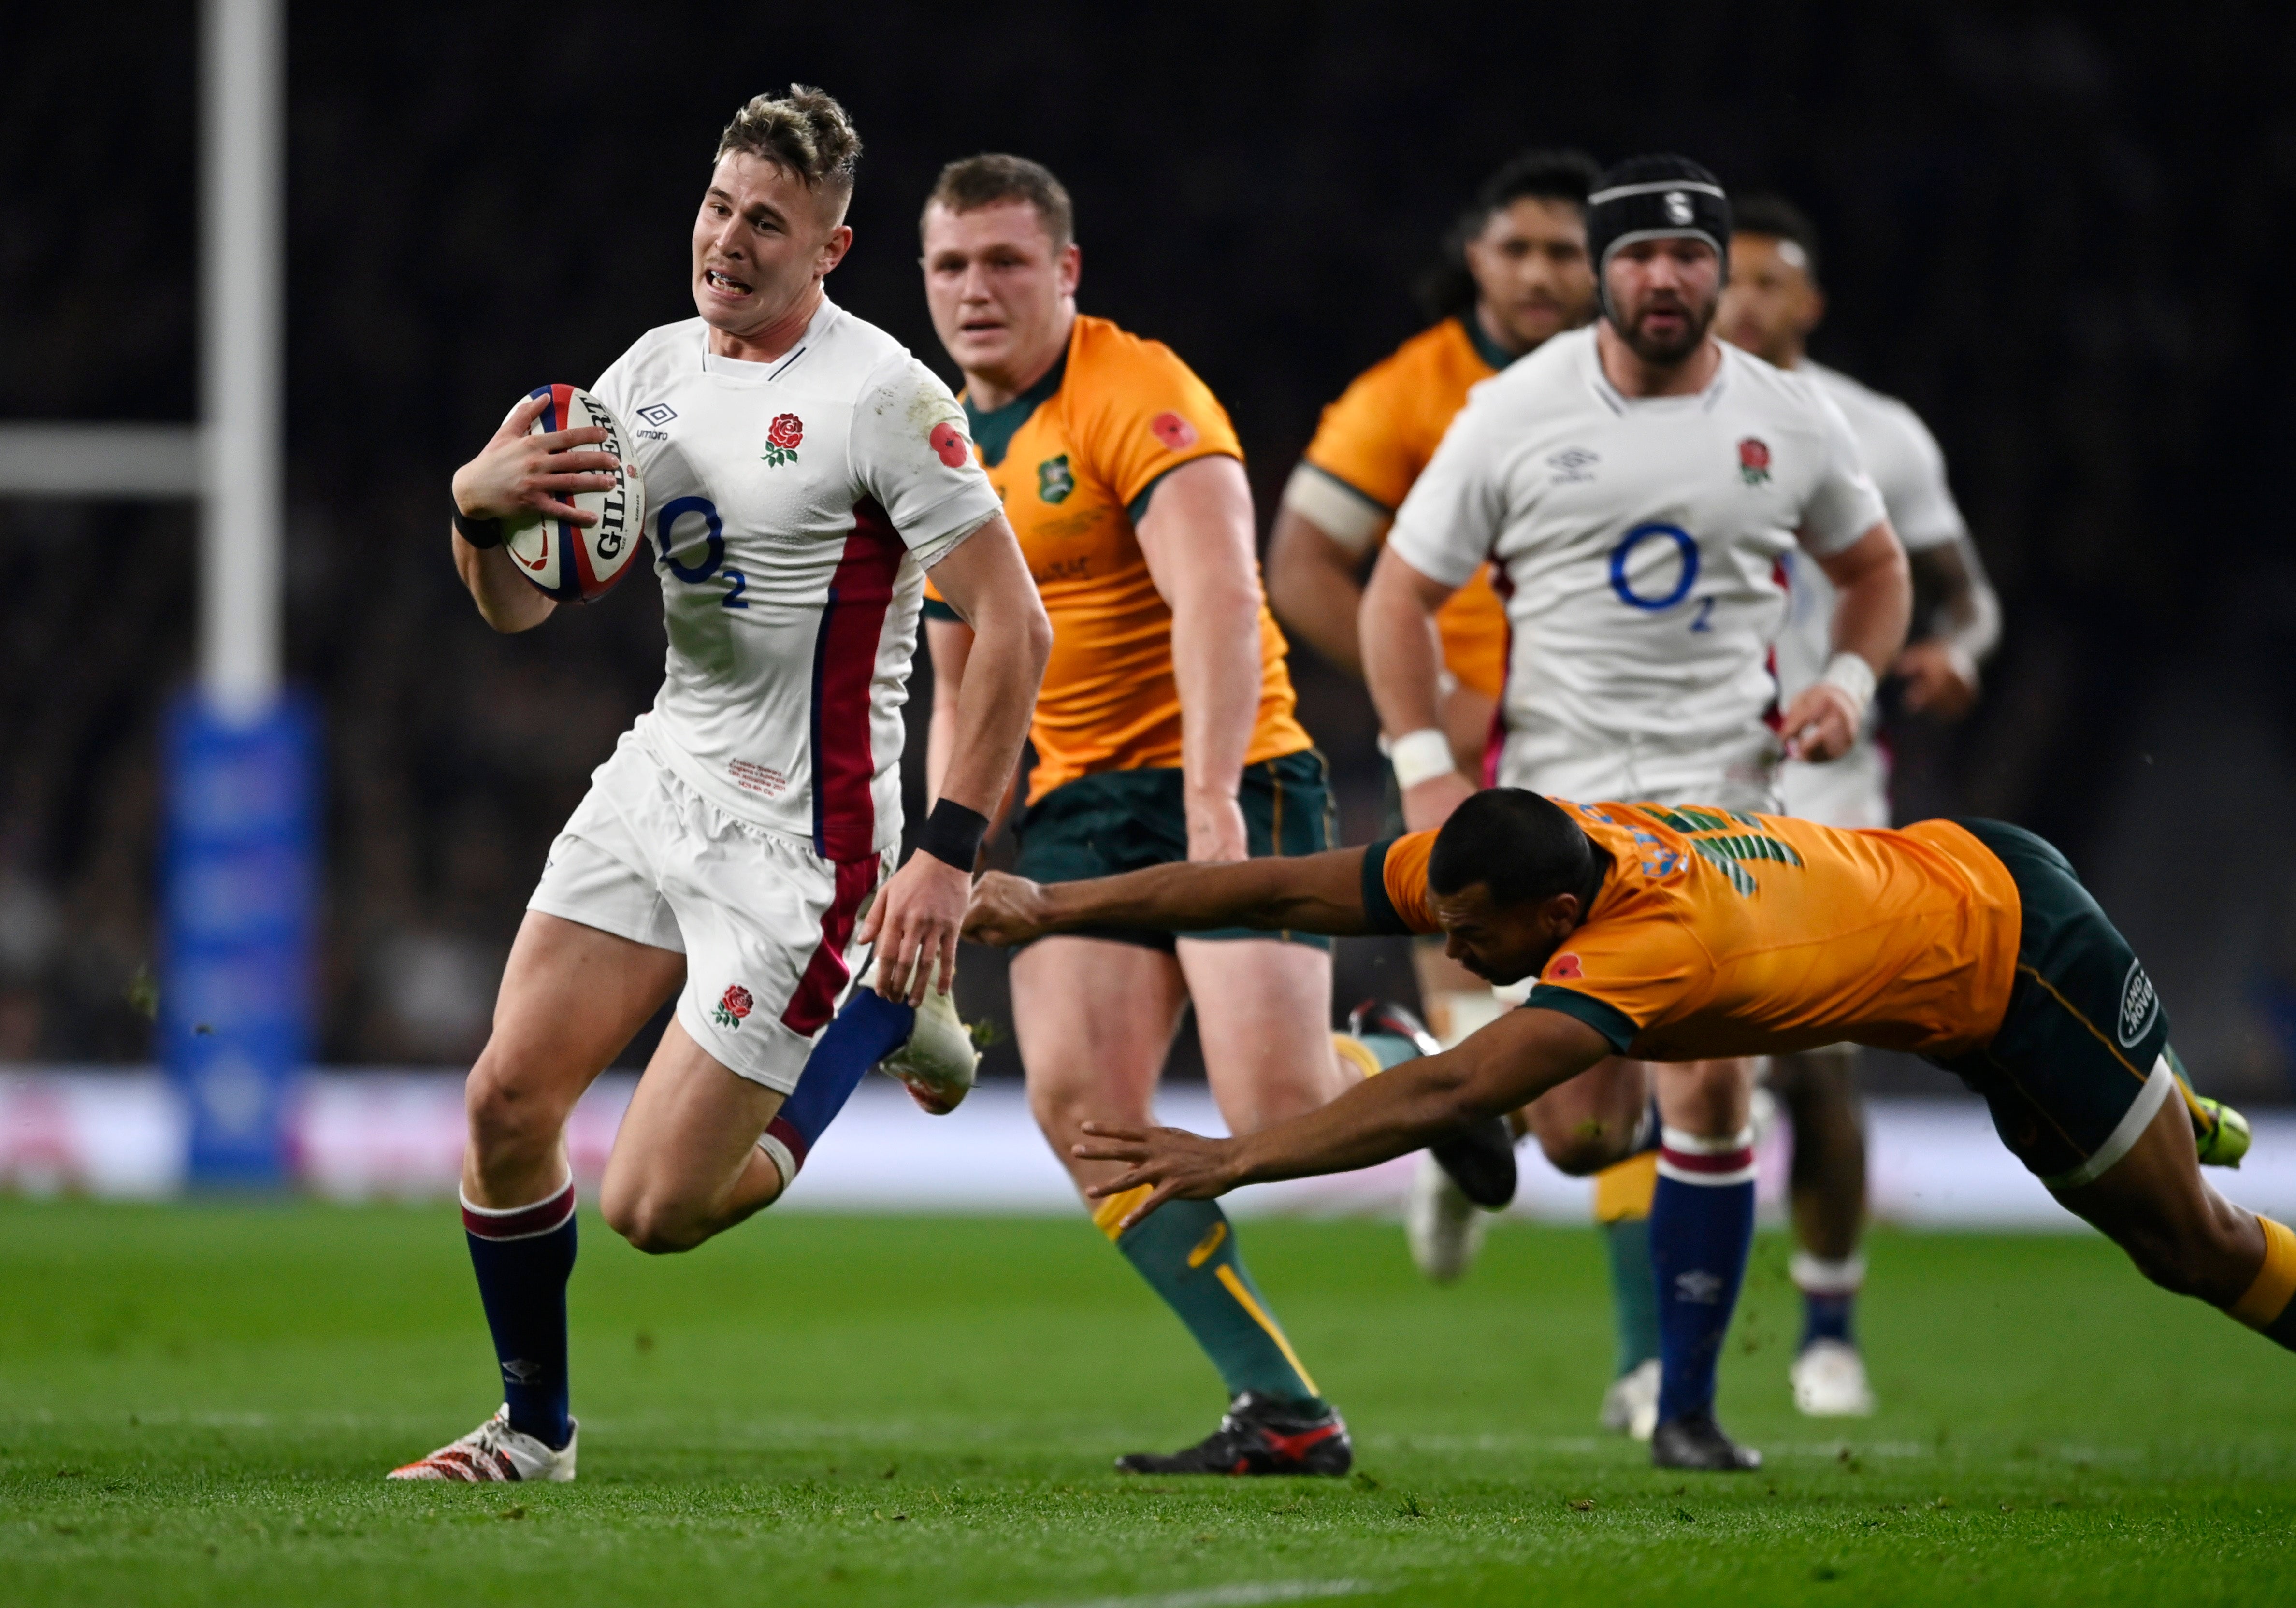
1659, 208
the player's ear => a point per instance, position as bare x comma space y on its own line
1067, 268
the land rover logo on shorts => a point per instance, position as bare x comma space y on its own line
1678, 207
2139, 1004
1053, 481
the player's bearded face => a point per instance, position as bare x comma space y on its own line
1663, 296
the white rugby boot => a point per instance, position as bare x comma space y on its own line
1444, 1229
495, 1452
1630, 1406
1829, 1381
939, 1062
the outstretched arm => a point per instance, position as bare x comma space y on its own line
1303, 893
1505, 1065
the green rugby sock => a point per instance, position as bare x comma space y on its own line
1187, 1252
1634, 1290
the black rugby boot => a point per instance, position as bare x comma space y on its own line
1695, 1441
1257, 1435
1480, 1156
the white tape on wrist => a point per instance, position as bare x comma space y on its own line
1420, 755
1853, 676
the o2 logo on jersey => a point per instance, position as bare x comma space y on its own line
1622, 558
1176, 433
713, 549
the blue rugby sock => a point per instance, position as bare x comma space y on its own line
1829, 1296
869, 1029
523, 1256
1702, 1229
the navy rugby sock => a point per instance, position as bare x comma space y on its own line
1702, 1229
1829, 1296
523, 1256
869, 1029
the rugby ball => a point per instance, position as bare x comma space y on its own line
571, 562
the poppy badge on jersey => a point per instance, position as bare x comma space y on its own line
580, 563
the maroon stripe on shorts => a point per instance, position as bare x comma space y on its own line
542, 1217
814, 1000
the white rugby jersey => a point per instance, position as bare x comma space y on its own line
1638, 541
1909, 470
794, 508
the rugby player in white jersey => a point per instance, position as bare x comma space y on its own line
1637, 485
1770, 307
804, 472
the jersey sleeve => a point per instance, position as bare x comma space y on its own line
1456, 510
1395, 885
1144, 415
911, 453
1922, 509
1844, 503
1622, 973
1362, 462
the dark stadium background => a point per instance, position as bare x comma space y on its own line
2062, 233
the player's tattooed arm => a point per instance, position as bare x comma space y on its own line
1301, 893
1963, 613
1875, 602
1503, 1065
516, 473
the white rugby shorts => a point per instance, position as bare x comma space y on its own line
765, 923
1736, 773
1853, 791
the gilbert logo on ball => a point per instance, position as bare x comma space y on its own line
570, 562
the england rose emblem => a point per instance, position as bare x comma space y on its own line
782, 436
1754, 460
732, 1005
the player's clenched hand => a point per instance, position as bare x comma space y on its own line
915, 923
1216, 828
1006, 910
1821, 722
1941, 679
1429, 804
518, 473
1182, 1165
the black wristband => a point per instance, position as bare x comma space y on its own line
952, 834
480, 534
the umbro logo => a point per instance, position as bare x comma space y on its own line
1574, 464
660, 414
1698, 1287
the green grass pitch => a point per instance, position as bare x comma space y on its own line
197, 1404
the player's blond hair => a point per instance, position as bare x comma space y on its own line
805, 132
993, 178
